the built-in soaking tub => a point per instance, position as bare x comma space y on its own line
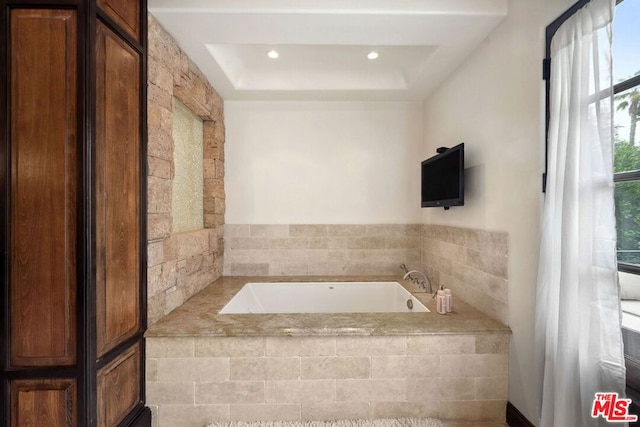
323, 297
204, 364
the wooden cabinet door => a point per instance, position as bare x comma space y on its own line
49, 403
44, 176
74, 176
118, 145
125, 13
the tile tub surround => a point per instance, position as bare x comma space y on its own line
203, 367
473, 263
320, 249
180, 264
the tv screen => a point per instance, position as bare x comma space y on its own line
443, 179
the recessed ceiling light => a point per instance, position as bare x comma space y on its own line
272, 54
372, 55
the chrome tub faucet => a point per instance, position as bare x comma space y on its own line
423, 282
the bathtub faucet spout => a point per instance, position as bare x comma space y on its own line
424, 283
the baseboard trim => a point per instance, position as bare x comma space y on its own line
515, 417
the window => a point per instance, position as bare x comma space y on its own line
626, 78
626, 74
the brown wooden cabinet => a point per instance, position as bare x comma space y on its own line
73, 180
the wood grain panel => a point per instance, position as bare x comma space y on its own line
119, 387
117, 190
43, 187
48, 403
126, 13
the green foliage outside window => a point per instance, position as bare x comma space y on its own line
627, 193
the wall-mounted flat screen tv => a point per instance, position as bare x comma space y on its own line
443, 178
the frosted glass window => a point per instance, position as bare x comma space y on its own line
187, 159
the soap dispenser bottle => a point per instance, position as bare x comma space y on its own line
441, 301
449, 299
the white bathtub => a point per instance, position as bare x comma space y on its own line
323, 297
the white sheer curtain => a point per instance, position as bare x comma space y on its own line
578, 336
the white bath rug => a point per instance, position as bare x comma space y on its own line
397, 422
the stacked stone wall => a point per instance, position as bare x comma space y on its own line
180, 264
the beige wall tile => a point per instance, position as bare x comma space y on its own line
151, 369
441, 344
404, 366
288, 269
310, 249
469, 365
193, 369
190, 415
371, 346
473, 263
269, 230
486, 261
308, 230
249, 269
318, 242
497, 243
289, 243
346, 230
454, 388
482, 302
419, 388
169, 347
246, 243
382, 230
265, 368
266, 412
374, 390
476, 411
372, 268
230, 392
430, 245
492, 343
327, 268
451, 251
229, 347
300, 346
335, 411
300, 391
236, 230
170, 393
335, 367
365, 243
493, 286
402, 242
491, 388
337, 243
427, 408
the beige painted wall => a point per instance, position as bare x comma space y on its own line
494, 103
323, 162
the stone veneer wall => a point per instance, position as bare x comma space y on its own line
195, 381
320, 249
180, 264
473, 263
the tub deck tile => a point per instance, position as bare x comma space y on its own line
198, 317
